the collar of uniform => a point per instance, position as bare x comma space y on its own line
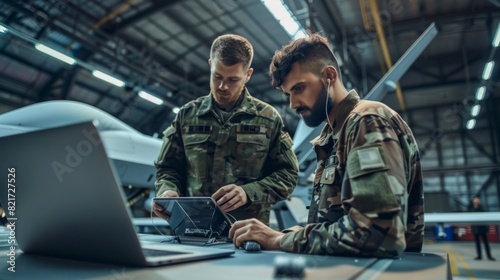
345, 108
246, 105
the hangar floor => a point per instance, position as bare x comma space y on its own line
462, 264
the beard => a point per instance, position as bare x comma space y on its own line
318, 113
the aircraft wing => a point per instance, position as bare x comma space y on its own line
293, 212
463, 218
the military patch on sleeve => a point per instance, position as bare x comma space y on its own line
370, 158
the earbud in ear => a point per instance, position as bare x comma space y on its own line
328, 81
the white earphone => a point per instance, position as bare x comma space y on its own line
326, 104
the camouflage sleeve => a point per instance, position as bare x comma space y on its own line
414, 234
171, 173
374, 197
280, 172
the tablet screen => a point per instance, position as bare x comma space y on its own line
194, 216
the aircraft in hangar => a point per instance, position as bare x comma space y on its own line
132, 152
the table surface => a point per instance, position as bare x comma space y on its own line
241, 265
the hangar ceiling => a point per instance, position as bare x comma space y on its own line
162, 47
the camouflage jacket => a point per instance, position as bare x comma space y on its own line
368, 191
202, 153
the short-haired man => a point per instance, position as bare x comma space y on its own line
368, 195
228, 144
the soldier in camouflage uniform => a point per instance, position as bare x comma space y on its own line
368, 193
228, 145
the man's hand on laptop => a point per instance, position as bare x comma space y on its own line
158, 209
230, 197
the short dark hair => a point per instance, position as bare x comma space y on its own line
231, 49
312, 52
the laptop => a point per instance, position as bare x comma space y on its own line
68, 202
195, 219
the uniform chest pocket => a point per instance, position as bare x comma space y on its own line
196, 150
329, 200
251, 153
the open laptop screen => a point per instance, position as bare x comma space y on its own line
69, 201
195, 217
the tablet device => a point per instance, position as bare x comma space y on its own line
195, 217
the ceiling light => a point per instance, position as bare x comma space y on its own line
496, 39
475, 110
3, 29
471, 124
108, 78
285, 18
300, 34
480, 93
290, 25
151, 98
176, 110
277, 8
488, 69
55, 54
